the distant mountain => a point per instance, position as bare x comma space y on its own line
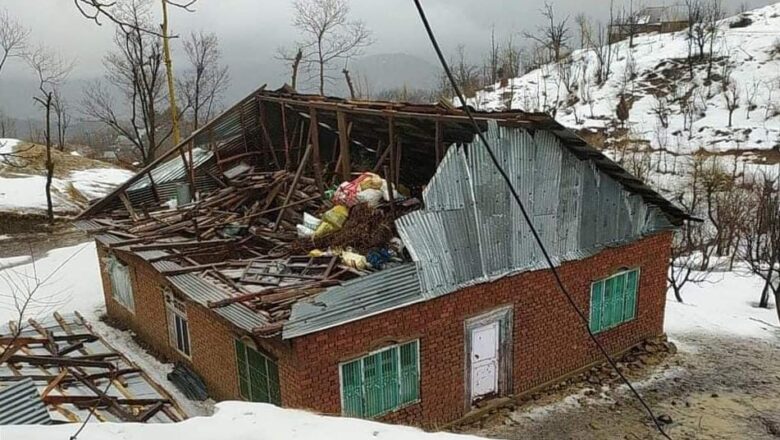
394, 70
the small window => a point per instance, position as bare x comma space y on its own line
121, 283
258, 375
381, 382
178, 327
613, 300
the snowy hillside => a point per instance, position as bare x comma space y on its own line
77, 180
669, 110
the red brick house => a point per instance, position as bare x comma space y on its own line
467, 311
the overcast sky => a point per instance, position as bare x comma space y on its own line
251, 30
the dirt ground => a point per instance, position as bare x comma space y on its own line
714, 387
43, 238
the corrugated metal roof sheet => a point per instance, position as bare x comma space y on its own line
357, 299
20, 404
202, 291
173, 170
474, 233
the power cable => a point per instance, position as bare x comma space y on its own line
527, 218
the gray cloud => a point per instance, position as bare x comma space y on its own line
251, 30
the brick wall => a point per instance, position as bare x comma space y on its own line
548, 338
211, 339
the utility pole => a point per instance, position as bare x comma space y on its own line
169, 70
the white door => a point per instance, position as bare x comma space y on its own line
484, 360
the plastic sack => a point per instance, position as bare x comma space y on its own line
354, 260
304, 232
336, 216
324, 229
371, 197
371, 181
311, 221
347, 192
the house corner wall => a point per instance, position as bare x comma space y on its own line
548, 340
211, 339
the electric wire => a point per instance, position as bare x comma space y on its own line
527, 218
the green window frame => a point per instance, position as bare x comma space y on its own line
613, 300
258, 375
381, 382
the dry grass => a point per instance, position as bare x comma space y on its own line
32, 157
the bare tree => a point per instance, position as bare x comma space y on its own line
51, 71
63, 116
206, 79
26, 293
136, 72
7, 126
692, 246
466, 74
553, 35
762, 239
327, 37
492, 63
731, 95
599, 43
112, 11
13, 38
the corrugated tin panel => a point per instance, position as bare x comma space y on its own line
173, 170
576, 209
362, 297
202, 291
20, 404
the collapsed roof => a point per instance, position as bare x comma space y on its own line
263, 163
59, 370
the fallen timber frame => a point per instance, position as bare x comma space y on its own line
83, 372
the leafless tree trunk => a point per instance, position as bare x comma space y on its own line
135, 70
553, 35
327, 36
13, 38
51, 72
206, 79
731, 95
348, 79
762, 238
60, 107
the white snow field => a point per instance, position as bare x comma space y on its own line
24, 192
238, 421
655, 66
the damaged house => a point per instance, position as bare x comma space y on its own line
411, 292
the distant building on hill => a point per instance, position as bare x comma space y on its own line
661, 19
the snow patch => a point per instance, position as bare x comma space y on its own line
727, 304
238, 421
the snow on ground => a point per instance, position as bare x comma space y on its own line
70, 281
239, 421
26, 193
726, 304
655, 66
8, 145
97, 182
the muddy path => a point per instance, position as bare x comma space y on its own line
715, 387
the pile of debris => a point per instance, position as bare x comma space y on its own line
268, 239
72, 371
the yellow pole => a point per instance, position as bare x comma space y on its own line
169, 69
